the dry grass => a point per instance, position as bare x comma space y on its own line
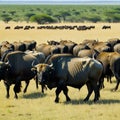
36, 106
41, 36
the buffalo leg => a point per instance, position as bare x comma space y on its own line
27, 83
65, 91
90, 90
43, 87
96, 91
58, 90
36, 81
116, 87
17, 88
101, 83
15, 95
7, 89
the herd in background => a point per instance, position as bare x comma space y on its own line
52, 27
18, 58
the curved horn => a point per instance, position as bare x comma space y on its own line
51, 65
47, 59
33, 63
7, 64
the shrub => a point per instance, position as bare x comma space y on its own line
42, 19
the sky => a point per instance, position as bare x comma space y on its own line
64, 0
59, 0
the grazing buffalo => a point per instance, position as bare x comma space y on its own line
111, 62
86, 53
70, 71
39, 55
19, 46
78, 48
5, 48
17, 69
102, 47
47, 49
30, 45
116, 48
69, 44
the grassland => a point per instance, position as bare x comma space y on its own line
41, 36
37, 106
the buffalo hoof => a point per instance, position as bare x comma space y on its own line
86, 99
16, 97
96, 100
68, 99
7, 96
57, 100
24, 91
113, 90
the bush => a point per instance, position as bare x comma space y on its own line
94, 18
42, 19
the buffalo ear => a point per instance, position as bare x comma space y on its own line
34, 69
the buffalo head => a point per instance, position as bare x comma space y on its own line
4, 67
45, 74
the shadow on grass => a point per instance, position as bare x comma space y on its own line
90, 102
34, 95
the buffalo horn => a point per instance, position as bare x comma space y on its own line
33, 63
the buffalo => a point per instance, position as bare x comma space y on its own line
67, 70
16, 68
110, 61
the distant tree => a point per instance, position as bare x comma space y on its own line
12, 12
109, 19
116, 18
93, 18
64, 14
76, 13
28, 15
6, 18
38, 9
113, 16
58, 17
42, 19
3, 11
49, 12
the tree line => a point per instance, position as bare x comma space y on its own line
57, 14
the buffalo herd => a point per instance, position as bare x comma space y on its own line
56, 27
58, 64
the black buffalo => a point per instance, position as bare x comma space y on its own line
17, 69
70, 71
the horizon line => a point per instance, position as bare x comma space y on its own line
66, 2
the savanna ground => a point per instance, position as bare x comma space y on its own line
37, 106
